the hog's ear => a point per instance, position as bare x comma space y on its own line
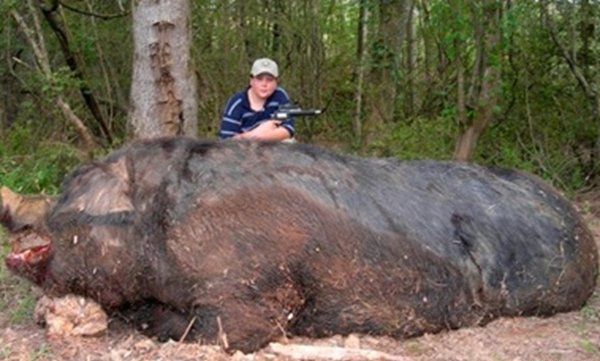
101, 190
121, 170
19, 211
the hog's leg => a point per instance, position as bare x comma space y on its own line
249, 316
156, 319
245, 318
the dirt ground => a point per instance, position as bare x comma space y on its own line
568, 336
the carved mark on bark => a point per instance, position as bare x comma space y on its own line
161, 60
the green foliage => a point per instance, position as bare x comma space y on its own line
44, 352
590, 314
542, 121
589, 346
552, 151
5, 7
28, 167
61, 80
5, 352
421, 138
22, 310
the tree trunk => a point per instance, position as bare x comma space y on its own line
465, 147
241, 8
116, 99
276, 27
361, 50
163, 88
409, 98
488, 94
427, 45
479, 64
460, 84
460, 66
384, 77
586, 25
2, 118
316, 54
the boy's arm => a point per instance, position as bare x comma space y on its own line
231, 120
269, 130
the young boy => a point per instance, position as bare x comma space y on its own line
248, 114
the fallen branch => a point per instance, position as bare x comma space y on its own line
187, 329
222, 335
308, 352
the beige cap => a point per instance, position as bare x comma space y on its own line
264, 65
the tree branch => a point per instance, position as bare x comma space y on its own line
92, 14
585, 85
73, 64
41, 56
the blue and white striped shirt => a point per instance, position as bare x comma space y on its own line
239, 117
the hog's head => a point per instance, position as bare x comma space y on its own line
23, 217
84, 241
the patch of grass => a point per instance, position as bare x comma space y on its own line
5, 351
590, 314
498, 357
5, 283
414, 348
589, 346
42, 353
23, 309
39, 172
16, 298
591, 311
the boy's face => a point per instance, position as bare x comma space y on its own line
263, 85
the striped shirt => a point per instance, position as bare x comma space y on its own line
239, 117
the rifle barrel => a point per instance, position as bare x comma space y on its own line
296, 113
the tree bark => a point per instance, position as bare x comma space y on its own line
163, 88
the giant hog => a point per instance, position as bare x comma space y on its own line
239, 242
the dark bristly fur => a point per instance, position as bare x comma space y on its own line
252, 240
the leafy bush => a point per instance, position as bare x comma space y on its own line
419, 138
30, 167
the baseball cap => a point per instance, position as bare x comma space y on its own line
264, 65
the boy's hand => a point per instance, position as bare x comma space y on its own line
261, 132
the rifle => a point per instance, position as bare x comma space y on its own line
287, 111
